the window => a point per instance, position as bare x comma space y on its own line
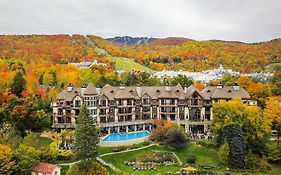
195, 114
77, 103
129, 102
111, 109
163, 101
103, 101
145, 99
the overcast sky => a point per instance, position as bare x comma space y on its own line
241, 20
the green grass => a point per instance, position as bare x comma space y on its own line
122, 63
64, 169
128, 64
118, 159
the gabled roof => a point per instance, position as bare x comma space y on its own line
45, 168
68, 96
226, 92
191, 90
124, 93
90, 90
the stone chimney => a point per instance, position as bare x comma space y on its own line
138, 88
69, 87
83, 87
219, 86
236, 87
122, 87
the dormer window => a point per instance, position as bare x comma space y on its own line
229, 91
111, 91
178, 91
158, 90
208, 90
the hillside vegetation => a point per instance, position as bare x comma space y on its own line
167, 53
177, 53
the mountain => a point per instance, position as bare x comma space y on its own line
128, 40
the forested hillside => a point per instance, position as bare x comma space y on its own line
177, 53
167, 53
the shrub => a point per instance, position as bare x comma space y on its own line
207, 143
255, 162
145, 143
92, 168
191, 159
119, 148
176, 137
224, 153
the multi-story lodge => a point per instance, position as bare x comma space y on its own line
133, 108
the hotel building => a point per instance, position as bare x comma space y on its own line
133, 108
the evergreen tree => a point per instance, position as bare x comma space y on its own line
18, 84
86, 137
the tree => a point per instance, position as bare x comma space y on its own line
176, 137
237, 148
27, 157
276, 81
255, 128
91, 169
273, 113
7, 164
18, 84
182, 80
86, 137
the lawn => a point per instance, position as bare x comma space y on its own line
118, 159
128, 64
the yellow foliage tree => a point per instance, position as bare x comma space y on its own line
7, 164
273, 112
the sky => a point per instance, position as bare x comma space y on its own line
236, 20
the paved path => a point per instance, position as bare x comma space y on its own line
106, 154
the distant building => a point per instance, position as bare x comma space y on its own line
46, 169
88, 64
132, 108
209, 75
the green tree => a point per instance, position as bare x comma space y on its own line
237, 148
92, 168
18, 84
182, 80
86, 137
27, 157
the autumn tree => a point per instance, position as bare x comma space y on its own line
176, 137
254, 127
18, 84
26, 157
7, 164
273, 113
86, 138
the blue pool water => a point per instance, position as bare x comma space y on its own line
125, 136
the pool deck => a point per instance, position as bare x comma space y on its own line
121, 143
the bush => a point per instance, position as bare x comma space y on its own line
255, 162
92, 168
119, 148
176, 137
208, 144
146, 143
191, 159
224, 153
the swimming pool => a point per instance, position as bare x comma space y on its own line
125, 136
